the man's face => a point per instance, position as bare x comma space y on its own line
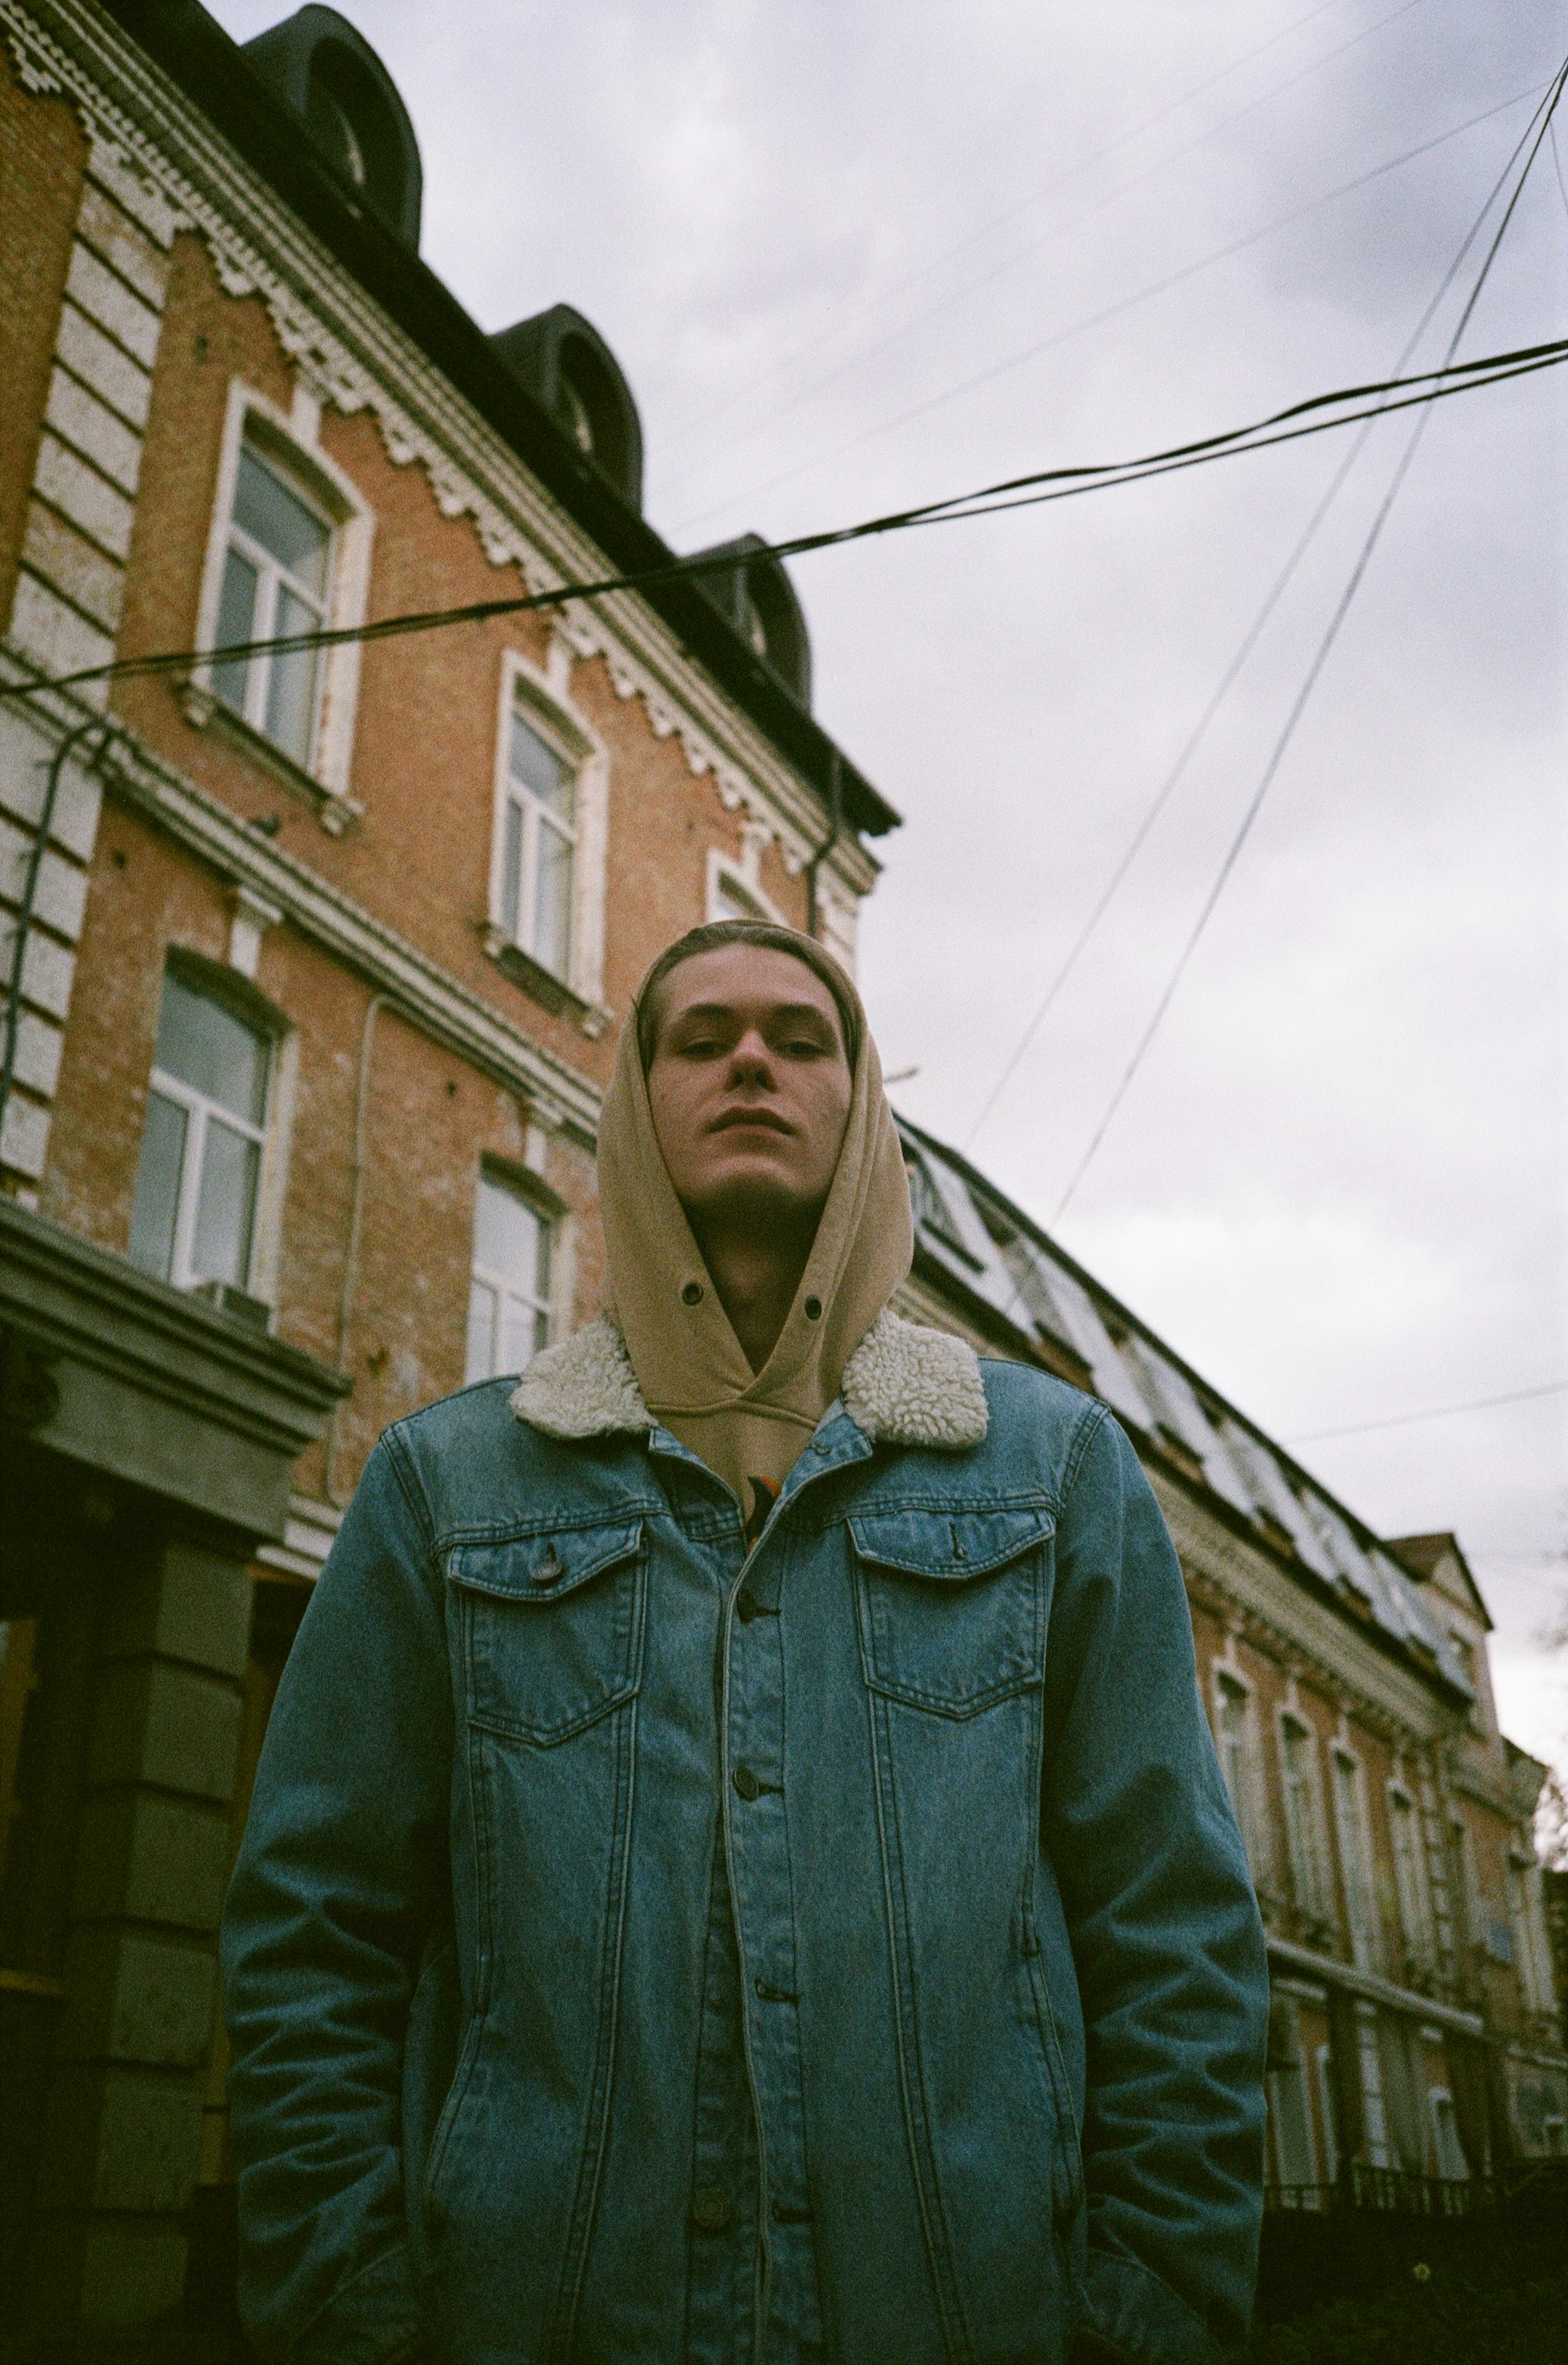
750, 1087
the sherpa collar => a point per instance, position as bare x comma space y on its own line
904, 1385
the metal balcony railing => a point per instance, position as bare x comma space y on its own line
1392, 2190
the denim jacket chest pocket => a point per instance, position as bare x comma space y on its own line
952, 1604
551, 1628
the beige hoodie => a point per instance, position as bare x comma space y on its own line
749, 1427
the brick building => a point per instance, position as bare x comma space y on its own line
315, 965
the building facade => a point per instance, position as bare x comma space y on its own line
315, 963
1416, 2030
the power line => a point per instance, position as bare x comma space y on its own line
1249, 641
1124, 304
1357, 572
1432, 1412
1375, 400
971, 285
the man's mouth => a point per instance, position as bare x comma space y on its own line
752, 1119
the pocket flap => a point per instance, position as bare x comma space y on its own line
542, 1567
950, 1547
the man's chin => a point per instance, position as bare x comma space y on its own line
764, 1205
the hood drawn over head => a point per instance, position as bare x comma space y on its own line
747, 1426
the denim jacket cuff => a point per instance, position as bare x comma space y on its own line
374, 2318
1141, 2319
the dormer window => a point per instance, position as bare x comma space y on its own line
330, 78
758, 596
333, 126
567, 367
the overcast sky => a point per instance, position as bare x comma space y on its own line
854, 255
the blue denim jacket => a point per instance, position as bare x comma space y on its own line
569, 1806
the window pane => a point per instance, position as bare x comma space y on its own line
212, 1050
236, 621
157, 1203
291, 687
525, 1332
479, 1363
227, 1206
505, 1237
280, 522
553, 901
540, 768
511, 870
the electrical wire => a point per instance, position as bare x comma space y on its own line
1376, 399
1059, 337
1320, 656
1232, 673
970, 287
1432, 1412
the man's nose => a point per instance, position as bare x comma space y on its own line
751, 1060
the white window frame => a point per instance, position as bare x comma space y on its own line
1328, 2110
1361, 1927
290, 441
1249, 1796
1453, 2166
544, 702
1532, 1949
1308, 1879
737, 877
199, 977
1411, 1889
550, 1212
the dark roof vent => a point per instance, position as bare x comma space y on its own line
758, 599
565, 365
330, 77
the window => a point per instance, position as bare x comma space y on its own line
509, 1296
1328, 2109
1447, 2148
539, 848
1532, 1953
274, 582
194, 1212
1355, 1868
1298, 1774
1410, 1876
1290, 2115
1236, 1761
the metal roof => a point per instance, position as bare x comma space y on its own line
968, 1233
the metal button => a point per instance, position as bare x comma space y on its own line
747, 1783
692, 1293
745, 1605
549, 1568
813, 1309
711, 2209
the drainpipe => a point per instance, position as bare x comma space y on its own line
30, 888
376, 1004
835, 810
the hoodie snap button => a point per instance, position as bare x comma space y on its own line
692, 1293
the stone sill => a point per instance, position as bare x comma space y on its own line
542, 985
207, 711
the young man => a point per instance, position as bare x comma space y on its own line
738, 1870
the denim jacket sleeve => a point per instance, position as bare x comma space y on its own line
1165, 1933
337, 1879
